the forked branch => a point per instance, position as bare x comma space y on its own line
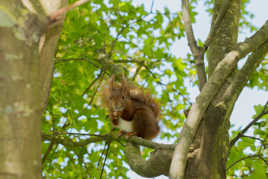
198, 53
218, 77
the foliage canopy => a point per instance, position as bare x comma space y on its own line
98, 37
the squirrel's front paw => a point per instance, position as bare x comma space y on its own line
114, 119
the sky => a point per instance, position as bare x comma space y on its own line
243, 110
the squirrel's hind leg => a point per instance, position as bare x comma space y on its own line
145, 124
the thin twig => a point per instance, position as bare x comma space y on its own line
48, 151
95, 92
118, 35
128, 61
116, 39
240, 134
243, 158
136, 72
50, 147
102, 153
61, 60
107, 152
78, 134
255, 138
263, 159
152, 6
93, 82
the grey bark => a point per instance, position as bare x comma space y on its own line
25, 74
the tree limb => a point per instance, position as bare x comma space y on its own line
218, 77
57, 14
216, 23
156, 165
253, 42
258, 117
60, 139
195, 49
241, 76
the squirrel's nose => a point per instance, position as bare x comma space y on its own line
118, 108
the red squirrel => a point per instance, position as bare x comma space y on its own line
131, 109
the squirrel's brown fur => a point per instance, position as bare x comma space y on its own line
128, 102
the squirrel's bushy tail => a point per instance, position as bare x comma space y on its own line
139, 94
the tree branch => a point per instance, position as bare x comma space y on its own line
218, 77
188, 27
156, 165
197, 51
241, 76
216, 23
243, 158
60, 139
258, 117
253, 42
57, 14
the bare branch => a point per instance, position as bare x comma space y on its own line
188, 27
218, 77
258, 117
57, 14
197, 51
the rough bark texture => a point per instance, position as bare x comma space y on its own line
212, 157
158, 164
25, 75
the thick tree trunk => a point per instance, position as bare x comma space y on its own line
212, 136
25, 75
